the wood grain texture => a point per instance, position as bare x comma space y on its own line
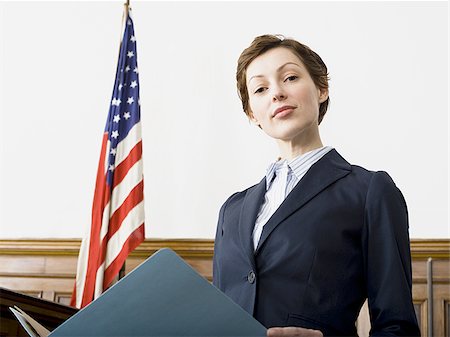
46, 269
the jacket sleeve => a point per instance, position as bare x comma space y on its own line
216, 270
217, 243
388, 260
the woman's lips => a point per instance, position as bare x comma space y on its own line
283, 111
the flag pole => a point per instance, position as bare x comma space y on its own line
126, 8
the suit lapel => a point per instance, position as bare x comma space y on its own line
322, 174
250, 208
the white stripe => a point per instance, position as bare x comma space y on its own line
108, 147
105, 221
126, 145
99, 281
83, 258
132, 221
121, 191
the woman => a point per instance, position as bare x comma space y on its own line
302, 249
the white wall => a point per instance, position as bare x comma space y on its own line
389, 105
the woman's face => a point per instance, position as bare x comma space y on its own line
283, 98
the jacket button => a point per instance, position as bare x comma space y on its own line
251, 277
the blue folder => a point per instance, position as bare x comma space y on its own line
163, 296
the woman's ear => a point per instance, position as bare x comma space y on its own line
252, 118
323, 95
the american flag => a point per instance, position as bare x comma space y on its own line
117, 225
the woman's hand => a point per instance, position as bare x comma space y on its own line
293, 332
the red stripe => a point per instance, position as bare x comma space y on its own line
135, 197
101, 199
122, 169
73, 300
132, 242
97, 249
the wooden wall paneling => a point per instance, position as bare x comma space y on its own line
198, 253
420, 301
19, 264
63, 298
447, 318
46, 269
202, 265
440, 306
40, 285
441, 292
441, 295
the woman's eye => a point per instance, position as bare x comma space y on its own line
291, 78
259, 90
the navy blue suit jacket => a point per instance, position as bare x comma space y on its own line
339, 237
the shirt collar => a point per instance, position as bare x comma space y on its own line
271, 171
299, 165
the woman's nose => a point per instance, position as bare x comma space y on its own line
278, 94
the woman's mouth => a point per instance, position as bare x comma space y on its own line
283, 111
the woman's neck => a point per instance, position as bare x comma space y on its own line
294, 148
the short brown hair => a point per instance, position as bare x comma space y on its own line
312, 61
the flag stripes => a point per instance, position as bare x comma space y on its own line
117, 222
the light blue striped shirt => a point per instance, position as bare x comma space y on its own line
281, 178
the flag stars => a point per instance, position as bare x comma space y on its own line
129, 22
130, 100
115, 134
127, 69
127, 115
133, 84
113, 151
120, 86
116, 118
116, 101
132, 38
130, 54
136, 70
111, 167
